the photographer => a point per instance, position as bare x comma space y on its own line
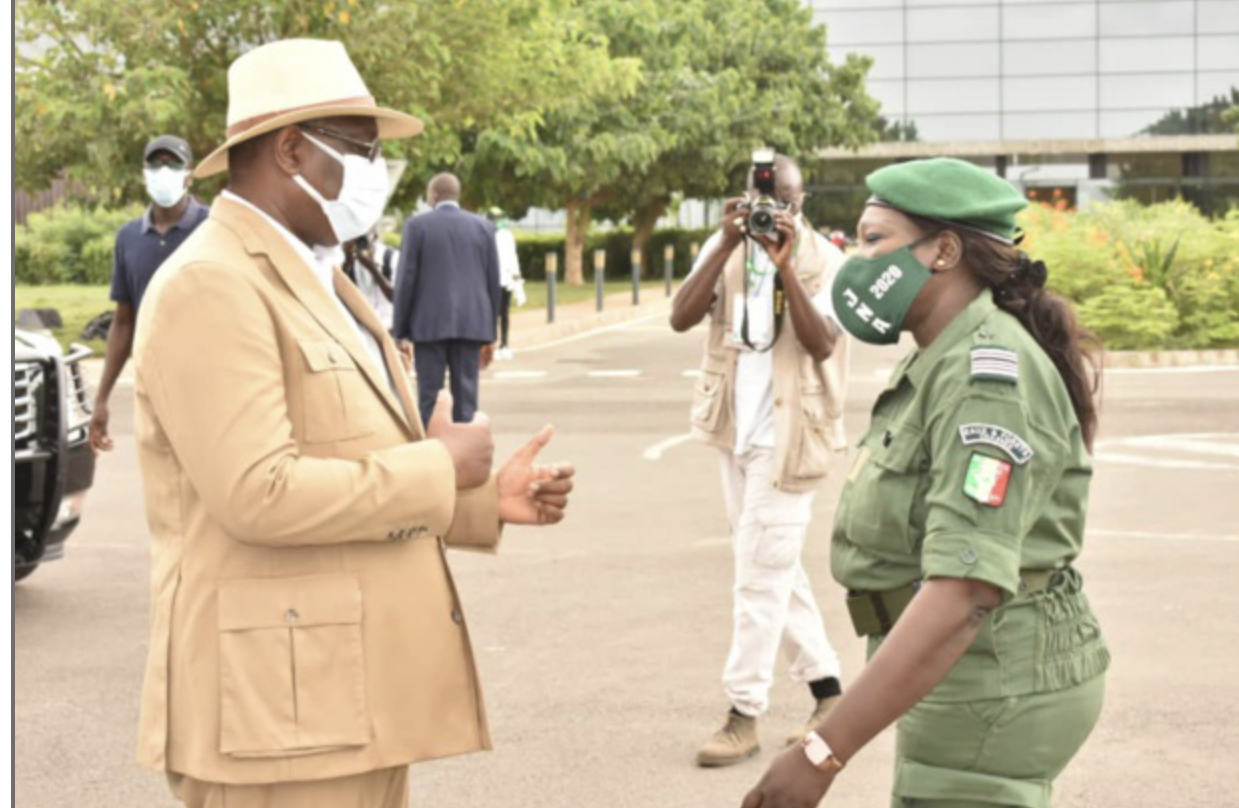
770, 398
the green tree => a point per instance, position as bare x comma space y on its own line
1231, 116
716, 78
96, 78
1209, 118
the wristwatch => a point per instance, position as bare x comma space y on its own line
819, 754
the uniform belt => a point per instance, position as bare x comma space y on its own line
875, 612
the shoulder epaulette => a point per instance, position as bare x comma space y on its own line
992, 363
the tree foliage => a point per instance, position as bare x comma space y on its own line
95, 79
713, 79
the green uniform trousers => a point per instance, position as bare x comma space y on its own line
994, 752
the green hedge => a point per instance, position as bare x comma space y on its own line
1160, 276
532, 250
68, 244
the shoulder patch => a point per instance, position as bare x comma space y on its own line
986, 480
1006, 440
995, 364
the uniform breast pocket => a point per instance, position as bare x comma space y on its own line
292, 671
329, 391
882, 494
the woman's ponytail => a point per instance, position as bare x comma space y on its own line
1018, 283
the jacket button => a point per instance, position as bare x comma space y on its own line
968, 556
457, 617
292, 616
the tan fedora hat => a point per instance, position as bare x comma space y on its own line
294, 80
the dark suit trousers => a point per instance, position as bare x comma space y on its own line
460, 357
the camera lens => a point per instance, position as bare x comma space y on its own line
761, 222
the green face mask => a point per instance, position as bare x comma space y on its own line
872, 295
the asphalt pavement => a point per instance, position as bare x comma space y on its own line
601, 641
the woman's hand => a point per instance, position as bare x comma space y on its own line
790, 782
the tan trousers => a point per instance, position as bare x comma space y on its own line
385, 788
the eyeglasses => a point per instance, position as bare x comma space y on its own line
369, 149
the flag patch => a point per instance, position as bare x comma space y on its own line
987, 479
995, 364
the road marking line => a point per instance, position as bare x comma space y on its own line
1192, 446
520, 374
613, 374
625, 325
1137, 460
713, 542
1138, 534
656, 451
1184, 369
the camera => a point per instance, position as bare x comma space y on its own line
759, 219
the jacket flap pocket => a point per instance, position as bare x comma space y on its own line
901, 452
325, 355
317, 600
708, 382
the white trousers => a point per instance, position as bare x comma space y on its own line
774, 606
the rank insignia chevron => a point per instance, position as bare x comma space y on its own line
995, 364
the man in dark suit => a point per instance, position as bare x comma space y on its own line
447, 297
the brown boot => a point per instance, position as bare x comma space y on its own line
736, 741
823, 708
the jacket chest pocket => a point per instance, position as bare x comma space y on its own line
329, 391
292, 671
882, 493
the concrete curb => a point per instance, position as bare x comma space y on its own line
1171, 359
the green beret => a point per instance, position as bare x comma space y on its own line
952, 190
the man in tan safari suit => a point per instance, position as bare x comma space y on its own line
770, 398
307, 643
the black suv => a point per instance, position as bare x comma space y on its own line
53, 465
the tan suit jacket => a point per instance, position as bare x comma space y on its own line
304, 623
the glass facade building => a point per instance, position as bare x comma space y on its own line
1074, 95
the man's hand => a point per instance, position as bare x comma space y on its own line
472, 446
733, 220
99, 440
782, 242
406, 354
530, 494
488, 355
790, 782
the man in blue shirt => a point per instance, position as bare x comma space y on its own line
141, 246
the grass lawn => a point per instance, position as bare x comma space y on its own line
78, 305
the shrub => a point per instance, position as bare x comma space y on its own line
1158, 276
68, 243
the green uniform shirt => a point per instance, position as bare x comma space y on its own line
974, 466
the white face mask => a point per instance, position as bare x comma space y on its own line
363, 193
166, 185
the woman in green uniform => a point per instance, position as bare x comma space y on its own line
964, 511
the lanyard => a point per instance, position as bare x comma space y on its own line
779, 298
